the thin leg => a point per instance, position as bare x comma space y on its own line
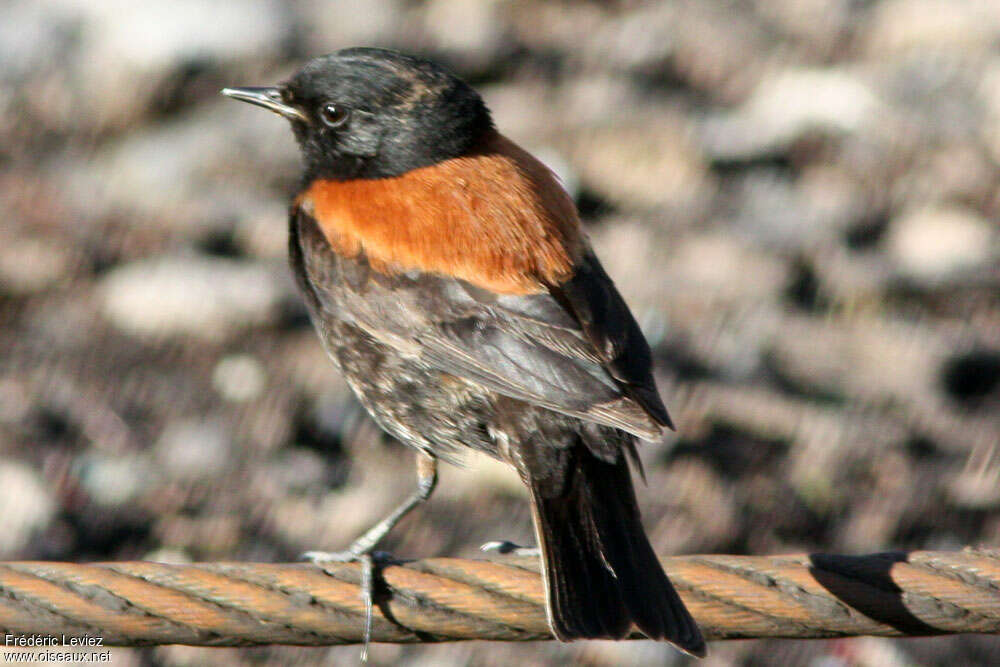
426, 481
361, 548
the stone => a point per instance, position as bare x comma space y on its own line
641, 167
125, 51
239, 378
938, 243
112, 481
31, 265
903, 26
205, 297
194, 449
26, 503
787, 104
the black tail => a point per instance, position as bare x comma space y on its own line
600, 570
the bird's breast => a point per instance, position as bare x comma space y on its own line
496, 218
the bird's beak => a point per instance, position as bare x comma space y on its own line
269, 98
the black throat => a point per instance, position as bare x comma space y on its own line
429, 133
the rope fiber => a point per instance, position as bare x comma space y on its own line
446, 599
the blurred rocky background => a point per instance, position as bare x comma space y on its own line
799, 199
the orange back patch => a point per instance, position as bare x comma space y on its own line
496, 218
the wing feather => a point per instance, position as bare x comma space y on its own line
559, 349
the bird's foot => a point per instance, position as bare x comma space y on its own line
367, 584
508, 548
346, 556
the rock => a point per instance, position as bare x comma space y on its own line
891, 485
989, 91
787, 104
596, 101
513, 107
935, 100
334, 25
641, 167
472, 31
31, 265
835, 199
721, 50
955, 172
207, 168
239, 378
15, 403
546, 27
262, 230
938, 243
702, 507
297, 471
717, 266
775, 211
194, 449
643, 38
154, 36
848, 357
26, 504
874, 651
36, 43
168, 556
125, 51
199, 296
112, 481
524, 109
817, 25
31, 35
903, 26
480, 473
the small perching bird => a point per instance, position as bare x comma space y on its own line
446, 272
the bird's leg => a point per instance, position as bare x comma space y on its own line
360, 550
426, 481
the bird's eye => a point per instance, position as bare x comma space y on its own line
334, 115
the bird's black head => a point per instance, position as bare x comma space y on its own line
374, 113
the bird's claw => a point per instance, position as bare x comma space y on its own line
323, 557
508, 548
367, 583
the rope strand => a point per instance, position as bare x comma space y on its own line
446, 599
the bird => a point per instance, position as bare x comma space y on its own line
447, 274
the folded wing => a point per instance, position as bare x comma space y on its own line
574, 348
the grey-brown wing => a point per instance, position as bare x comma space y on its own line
613, 332
534, 348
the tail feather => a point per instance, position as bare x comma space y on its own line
601, 573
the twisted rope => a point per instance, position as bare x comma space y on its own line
445, 599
